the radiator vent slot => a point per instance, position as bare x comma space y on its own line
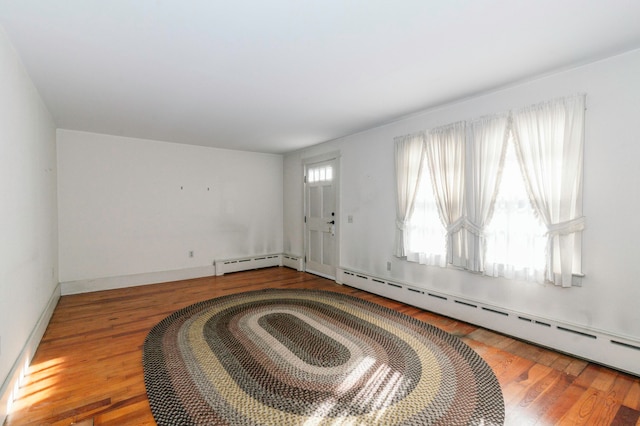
626, 345
471, 305
543, 323
394, 285
348, 273
437, 296
495, 311
377, 281
415, 290
525, 319
363, 277
580, 333
230, 262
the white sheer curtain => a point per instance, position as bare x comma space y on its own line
426, 236
486, 148
445, 148
515, 237
409, 155
549, 141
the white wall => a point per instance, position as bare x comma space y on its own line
609, 297
130, 206
28, 238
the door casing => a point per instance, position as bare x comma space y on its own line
309, 265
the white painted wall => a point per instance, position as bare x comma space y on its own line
130, 206
609, 297
28, 215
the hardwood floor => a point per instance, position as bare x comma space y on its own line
88, 366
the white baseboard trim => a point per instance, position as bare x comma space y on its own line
13, 380
111, 283
219, 267
603, 347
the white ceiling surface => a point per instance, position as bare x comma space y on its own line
274, 76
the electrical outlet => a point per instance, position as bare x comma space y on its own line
190, 253
349, 219
388, 266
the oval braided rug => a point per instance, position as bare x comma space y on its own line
307, 357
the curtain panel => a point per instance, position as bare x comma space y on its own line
549, 142
409, 156
486, 147
445, 148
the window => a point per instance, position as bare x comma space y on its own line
426, 236
502, 192
320, 174
515, 237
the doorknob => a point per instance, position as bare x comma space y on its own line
333, 222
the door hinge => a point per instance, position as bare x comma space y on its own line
305, 219
305, 179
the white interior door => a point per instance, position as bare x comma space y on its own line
321, 219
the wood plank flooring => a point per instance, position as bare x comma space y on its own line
88, 367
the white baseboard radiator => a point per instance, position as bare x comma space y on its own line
293, 262
257, 262
619, 352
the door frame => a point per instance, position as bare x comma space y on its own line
306, 163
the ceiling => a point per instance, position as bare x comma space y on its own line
275, 76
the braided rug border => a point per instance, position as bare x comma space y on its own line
285, 357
